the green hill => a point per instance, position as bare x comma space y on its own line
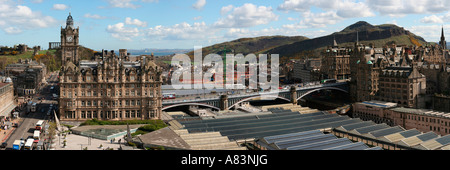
250, 45
367, 34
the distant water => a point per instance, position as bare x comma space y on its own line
159, 52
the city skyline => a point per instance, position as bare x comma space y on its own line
172, 24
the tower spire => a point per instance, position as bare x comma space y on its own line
443, 43
357, 37
334, 41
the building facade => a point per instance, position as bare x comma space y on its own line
69, 42
402, 85
7, 98
108, 87
306, 70
336, 63
424, 120
27, 76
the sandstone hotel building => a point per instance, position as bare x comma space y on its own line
109, 86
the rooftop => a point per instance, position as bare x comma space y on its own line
381, 104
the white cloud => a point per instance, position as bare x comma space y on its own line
123, 33
37, 1
315, 20
247, 15
436, 18
95, 16
429, 32
295, 5
136, 22
60, 7
291, 19
226, 9
400, 8
432, 19
123, 4
199, 4
12, 30
342, 8
182, 31
15, 18
127, 3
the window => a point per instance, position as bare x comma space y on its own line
152, 113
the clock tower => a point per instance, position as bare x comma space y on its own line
69, 42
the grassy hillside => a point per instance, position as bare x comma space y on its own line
51, 58
367, 34
399, 40
10, 59
245, 46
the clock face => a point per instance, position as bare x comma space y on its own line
69, 39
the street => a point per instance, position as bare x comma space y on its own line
29, 119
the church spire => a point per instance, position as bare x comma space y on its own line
443, 43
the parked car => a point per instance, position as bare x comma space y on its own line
3, 145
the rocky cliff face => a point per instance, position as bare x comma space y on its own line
365, 31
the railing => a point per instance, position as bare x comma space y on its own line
256, 93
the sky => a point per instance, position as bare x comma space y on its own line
184, 24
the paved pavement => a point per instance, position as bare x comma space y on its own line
5, 134
78, 142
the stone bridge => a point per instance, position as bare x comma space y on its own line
225, 102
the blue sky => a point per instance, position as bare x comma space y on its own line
138, 24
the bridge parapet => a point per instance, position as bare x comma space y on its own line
291, 95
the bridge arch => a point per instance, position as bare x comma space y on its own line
190, 104
254, 97
323, 88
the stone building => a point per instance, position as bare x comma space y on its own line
402, 85
336, 62
7, 98
305, 70
424, 120
27, 76
108, 87
373, 111
441, 102
364, 81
